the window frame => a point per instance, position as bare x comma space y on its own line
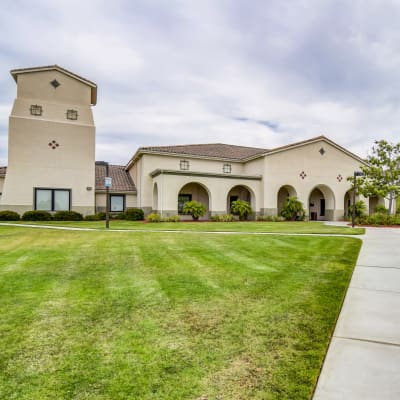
227, 168
123, 202
184, 165
181, 204
72, 114
52, 190
36, 110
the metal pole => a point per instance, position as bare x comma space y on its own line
107, 201
353, 214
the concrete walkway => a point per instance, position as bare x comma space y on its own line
363, 360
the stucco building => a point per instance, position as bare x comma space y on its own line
51, 163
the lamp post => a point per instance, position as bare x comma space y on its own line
353, 214
107, 184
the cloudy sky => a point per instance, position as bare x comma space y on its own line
255, 73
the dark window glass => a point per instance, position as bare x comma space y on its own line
182, 199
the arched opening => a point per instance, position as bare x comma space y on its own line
321, 204
347, 203
375, 201
283, 193
196, 192
240, 192
155, 198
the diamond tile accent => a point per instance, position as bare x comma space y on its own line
53, 144
322, 151
339, 178
55, 83
302, 174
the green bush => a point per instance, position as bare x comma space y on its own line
92, 217
154, 217
223, 218
241, 208
380, 208
173, 218
36, 215
134, 214
379, 219
101, 215
271, 218
293, 209
194, 208
8, 215
360, 208
67, 216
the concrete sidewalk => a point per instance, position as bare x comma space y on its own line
363, 360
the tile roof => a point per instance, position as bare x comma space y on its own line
3, 171
213, 150
121, 180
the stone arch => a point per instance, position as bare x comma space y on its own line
155, 198
321, 203
373, 201
194, 191
284, 192
241, 192
347, 201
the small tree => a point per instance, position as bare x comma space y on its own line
293, 209
241, 208
382, 173
360, 208
195, 209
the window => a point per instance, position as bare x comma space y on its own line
72, 114
182, 199
227, 168
53, 199
117, 203
184, 165
36, 110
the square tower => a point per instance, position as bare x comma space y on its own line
51, 142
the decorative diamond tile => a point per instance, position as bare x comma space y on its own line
302, 174
55, 83
339, 178
322, 151
53, 144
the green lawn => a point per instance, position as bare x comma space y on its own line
281, 227
143, 315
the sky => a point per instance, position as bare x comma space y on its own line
252, 73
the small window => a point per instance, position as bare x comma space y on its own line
53, 199
72, 114
36, 110
182, 199
184, 165
117, 203
227, 168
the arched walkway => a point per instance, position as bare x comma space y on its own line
347, 203
321, 203
283, 193
240, 192
194, 191
373, 202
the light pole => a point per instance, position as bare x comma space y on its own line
353, 214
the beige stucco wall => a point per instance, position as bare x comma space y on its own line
284, 168
32, 163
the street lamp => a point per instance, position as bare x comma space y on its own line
353, 214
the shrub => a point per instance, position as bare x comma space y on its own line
379, 219
195, 209
92, 217
153, 217
101, 215
223, 218
359, 208
270, 218
67, 216
36, 215
134, 214
8, 215
380, 208
241, 208
173, 218
293, 209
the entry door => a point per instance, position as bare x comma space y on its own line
322, 208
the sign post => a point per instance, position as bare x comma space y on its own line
107, 184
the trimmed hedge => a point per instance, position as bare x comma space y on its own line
67, 216
8, 215
36, 215
134, 214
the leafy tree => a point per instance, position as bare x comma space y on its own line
293, 209
360, 208
241, 208
382, 173
195, 209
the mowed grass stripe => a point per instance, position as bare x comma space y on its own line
111, 315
